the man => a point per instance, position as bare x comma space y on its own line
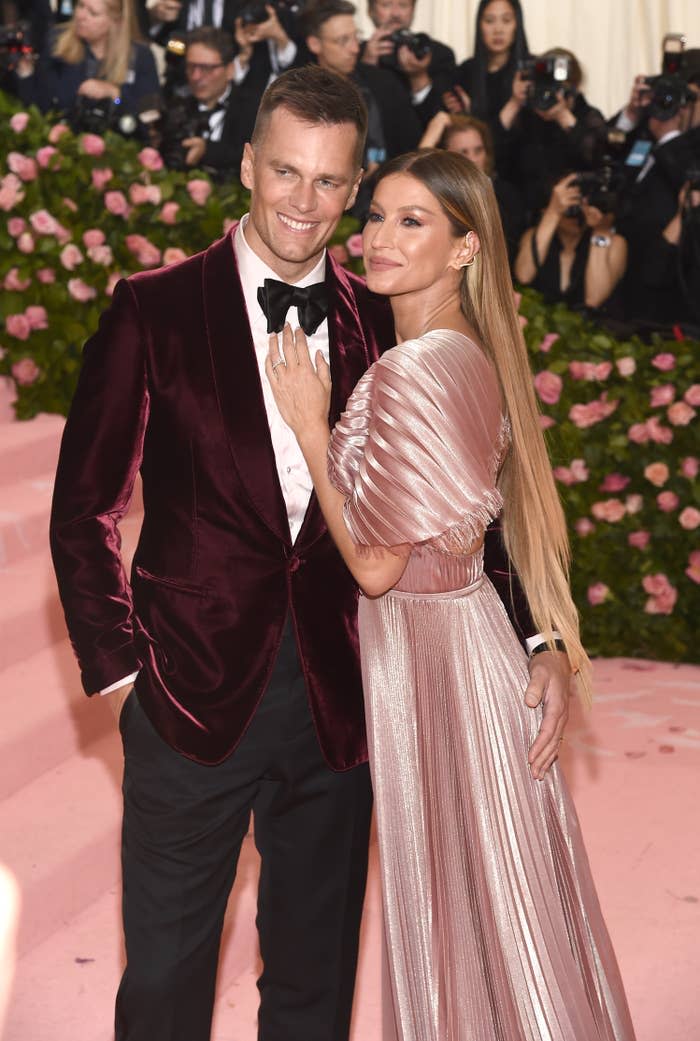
239, 625
425, 77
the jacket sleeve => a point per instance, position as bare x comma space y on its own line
100, 455
499, 569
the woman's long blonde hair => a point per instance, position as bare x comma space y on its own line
122, 34
534, 528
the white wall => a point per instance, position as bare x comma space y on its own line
613, 39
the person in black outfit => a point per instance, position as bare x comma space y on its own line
424, 78
573, 255
95, 55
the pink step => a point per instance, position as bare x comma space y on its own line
24, 517
29, 448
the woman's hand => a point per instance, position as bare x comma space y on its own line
565, 193
98, 89
457, 101
302, 391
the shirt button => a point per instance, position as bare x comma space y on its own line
289, 469
294, 564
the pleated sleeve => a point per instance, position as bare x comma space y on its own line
417, 451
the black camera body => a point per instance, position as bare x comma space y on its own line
15, 44
547, 78
181, 120
98, 115
601, 187
669, 93
419, 44
255, 12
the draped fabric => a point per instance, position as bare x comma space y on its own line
493, 931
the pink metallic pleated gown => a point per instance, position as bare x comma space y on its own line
492, 925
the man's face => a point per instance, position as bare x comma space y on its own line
207, 75
336, 47
302, 177
392, 14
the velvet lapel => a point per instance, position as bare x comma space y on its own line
349, 356
238, 387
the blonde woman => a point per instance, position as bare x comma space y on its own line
493, 928
97, 55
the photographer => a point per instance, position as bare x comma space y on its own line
210, 124
264, 35
573, 255
423, 68
95, 57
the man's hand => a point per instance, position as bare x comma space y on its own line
549, 686
640, 98
195, 150
164, 11
457, 101
378, 46
117, 698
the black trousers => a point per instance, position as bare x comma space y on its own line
183, 828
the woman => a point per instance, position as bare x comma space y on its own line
573, 254
472, 138
492, 924
96, 56
489, 85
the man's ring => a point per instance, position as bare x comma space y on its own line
280, 361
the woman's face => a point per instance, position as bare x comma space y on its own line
470, 144
498, 27
92, 20
408, 242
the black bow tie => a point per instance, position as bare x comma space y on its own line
276, 298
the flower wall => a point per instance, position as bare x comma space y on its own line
79, 212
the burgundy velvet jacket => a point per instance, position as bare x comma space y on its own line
170, 386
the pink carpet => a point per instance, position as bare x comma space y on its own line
633, 764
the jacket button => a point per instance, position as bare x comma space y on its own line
294, 564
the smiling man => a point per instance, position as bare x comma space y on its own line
238, 629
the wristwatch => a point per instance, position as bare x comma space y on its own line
601, 240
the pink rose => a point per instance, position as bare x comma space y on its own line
548, 341
690, 466
523, 320
173, 255
101, 255
199, 190
579, 470
92, 144
517, 299
150, 159
634, 503
18, 325
11, 192
610, 510
693, 569
659, 434
100, 177
339, 253
16, 225
662, 395
656, 473
584, 527
46, 275
45, 155
354, 245
662, 595
656, 585
548, 385
115, 277
25, 243
57, 131
43, 223
93, 237
71, 256
546, 422
588, 370
639, 539
62, 234
19, 121
664, 362
23, 166
597, 594
13, 283
168, 214
692, 394
680, 414
70, 204
80, 291
37, 317
667, 501
143, 193
614, 483
689, 518
145, 252
563, 474
115, 202
594, 412
25, 371
638, 433
626, 366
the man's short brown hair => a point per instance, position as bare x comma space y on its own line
315, 96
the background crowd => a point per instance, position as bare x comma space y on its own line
601, 211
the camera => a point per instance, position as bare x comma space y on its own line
419, 44
255, 12
547, 77
669, 91
97, 115
15, 45
181, 119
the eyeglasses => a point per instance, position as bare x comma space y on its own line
199, 66
343, 41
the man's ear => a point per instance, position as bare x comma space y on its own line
465, 251
248, 166
355, 189
314, 45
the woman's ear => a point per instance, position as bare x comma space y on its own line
465, 251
